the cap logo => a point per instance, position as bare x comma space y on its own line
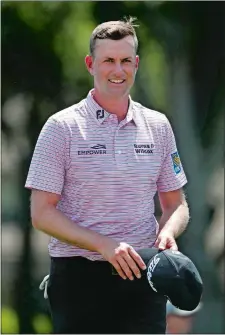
151, 268
175, 252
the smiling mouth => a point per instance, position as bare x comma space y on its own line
116, 81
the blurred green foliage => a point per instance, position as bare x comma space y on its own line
10, 322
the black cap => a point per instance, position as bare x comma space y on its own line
174, 275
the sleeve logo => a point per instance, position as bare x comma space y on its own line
176, 162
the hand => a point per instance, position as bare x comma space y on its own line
124, 258
166, 240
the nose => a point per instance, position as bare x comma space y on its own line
118, 68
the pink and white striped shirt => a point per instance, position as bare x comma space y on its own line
106, 172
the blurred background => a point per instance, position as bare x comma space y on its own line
182, 74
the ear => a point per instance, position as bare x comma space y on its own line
89, 64
136, 62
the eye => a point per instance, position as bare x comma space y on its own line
108, 60
126, 61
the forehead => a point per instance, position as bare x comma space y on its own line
115, 48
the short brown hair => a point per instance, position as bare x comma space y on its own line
114, 30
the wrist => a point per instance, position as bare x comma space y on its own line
101, 242
167, 231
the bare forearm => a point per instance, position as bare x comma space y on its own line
56, 224
175, 220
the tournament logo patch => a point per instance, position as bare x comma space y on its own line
176, 162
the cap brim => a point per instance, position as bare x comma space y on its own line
172, 310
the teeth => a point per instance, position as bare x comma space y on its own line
116, 81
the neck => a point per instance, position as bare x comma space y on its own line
114, 106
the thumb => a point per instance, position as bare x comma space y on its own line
162, 244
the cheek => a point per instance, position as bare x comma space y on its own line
130, 70
131, 73
102, 73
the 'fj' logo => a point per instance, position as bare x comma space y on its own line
100, 114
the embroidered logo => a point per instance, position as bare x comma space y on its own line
151, 268
144, 148
100, 113
99, 149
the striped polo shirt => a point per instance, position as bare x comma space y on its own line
107, 172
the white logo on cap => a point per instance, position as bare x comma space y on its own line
151, 268
175, 252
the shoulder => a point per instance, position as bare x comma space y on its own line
151, 116
68, 115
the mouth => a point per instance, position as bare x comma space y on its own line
117, 81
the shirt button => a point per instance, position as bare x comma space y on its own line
119, 152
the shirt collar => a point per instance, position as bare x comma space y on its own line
101, 115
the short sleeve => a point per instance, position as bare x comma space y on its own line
47, 168
172, 175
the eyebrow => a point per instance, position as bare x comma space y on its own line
110, 58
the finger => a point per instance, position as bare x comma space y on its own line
119, 270
132, 265
125, 267
173, 246
137, 258
162, 244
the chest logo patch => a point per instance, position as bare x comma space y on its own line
146, 149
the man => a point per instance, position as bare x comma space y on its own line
95, 170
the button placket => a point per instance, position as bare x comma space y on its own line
110, 130
120, 154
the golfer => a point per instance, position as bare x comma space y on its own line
95, 170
